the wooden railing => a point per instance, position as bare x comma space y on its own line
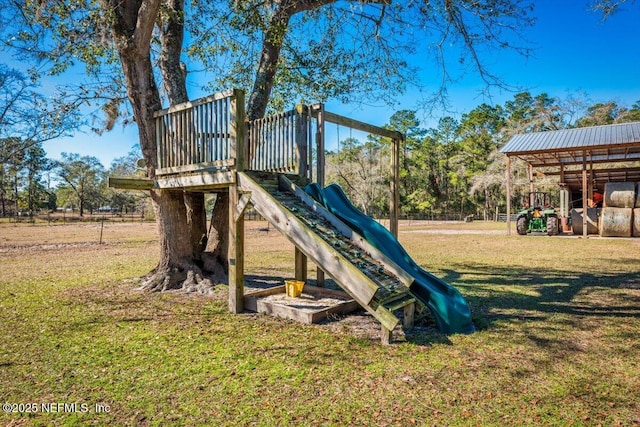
279, 143
204, 134
201, 134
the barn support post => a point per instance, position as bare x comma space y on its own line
590, 186
564, 199
531, 186
585, 206
508, 176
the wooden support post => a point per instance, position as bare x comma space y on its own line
564, 200
236, 207
320, 279
508, 195
302, 144
301, 265
385, 335
531, 186
238, 129
394, 201
320, 146
409, 315
585, 206
590, 186
236, 252
320, 133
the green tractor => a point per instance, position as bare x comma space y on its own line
538, 216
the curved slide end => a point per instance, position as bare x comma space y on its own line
451, 312
445, 302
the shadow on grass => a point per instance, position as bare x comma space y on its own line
549, 300
498, 294
560, 313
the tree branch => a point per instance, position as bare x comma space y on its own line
145, 23
273, 41
172, 36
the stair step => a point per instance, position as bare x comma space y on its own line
398, 301
389, 286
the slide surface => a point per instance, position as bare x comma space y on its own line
447, 305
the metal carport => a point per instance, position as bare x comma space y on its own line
604, 153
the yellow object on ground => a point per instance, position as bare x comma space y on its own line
294, 287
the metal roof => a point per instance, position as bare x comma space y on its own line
578, 138
596, 144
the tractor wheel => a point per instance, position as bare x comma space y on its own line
552, 226
521, 226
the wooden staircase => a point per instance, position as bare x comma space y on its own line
367, 275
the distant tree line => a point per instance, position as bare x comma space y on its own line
455, 169
31, 183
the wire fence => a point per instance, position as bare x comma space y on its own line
74, 217
250, 215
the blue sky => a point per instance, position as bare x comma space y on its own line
573, 51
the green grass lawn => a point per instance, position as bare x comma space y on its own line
557, 343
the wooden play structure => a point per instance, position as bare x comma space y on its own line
207, 145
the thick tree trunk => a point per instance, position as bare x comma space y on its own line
176, 268
215, 256
174, 75
132, 29
196, 223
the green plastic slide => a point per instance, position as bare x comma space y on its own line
447, 305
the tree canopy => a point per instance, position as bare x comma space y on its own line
280, 52
27, 117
